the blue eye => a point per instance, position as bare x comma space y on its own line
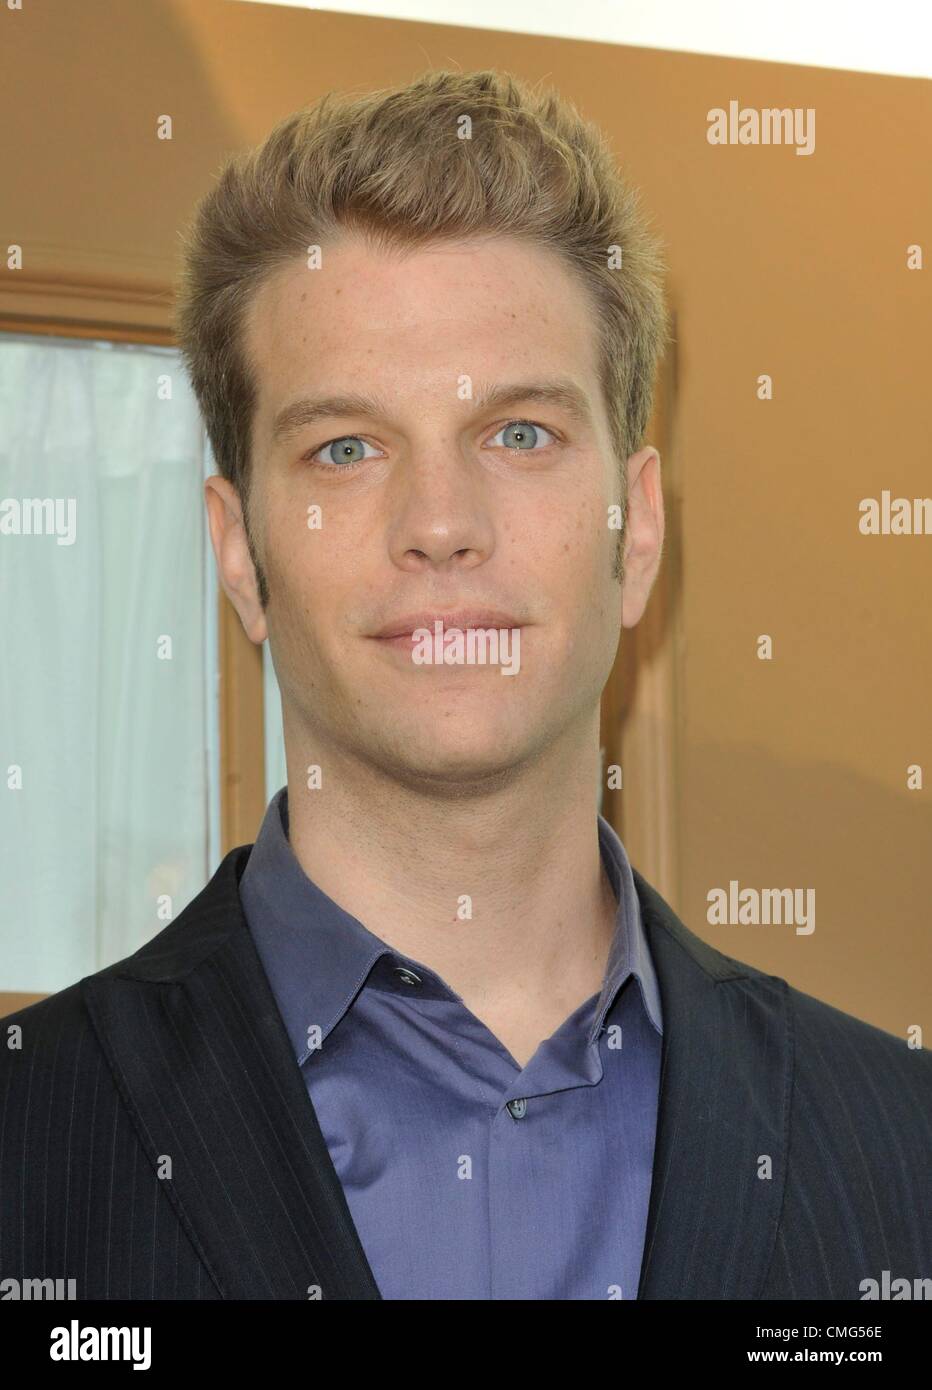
346, 452
523, 436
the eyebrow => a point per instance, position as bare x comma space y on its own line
293, 418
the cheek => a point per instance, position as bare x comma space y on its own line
303, 545
589, 545
564, 552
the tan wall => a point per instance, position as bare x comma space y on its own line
787, 773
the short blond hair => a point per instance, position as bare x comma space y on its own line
394, 165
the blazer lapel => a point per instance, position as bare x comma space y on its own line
721, 1148
197, 1045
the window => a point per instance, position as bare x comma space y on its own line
109, 803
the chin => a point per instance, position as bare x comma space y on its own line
467, 757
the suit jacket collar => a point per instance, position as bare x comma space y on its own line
198, 1048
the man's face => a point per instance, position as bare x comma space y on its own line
425, 509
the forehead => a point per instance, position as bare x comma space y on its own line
417, 321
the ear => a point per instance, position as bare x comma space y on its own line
644, 530
235, 568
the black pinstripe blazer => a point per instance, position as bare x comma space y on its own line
157, 1139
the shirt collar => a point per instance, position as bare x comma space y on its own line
317, 957
629, 953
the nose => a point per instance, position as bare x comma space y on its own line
441, 516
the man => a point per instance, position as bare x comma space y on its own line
433, 1037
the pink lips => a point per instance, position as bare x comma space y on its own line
404, 641
399, 631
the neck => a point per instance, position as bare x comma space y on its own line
522, 857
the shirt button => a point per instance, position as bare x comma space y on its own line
518, 1108
407, 977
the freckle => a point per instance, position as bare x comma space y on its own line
566, 546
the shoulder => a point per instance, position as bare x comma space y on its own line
57, 1034
856, 1055
50, 1061
44, 1025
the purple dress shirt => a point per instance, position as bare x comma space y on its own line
467, 1177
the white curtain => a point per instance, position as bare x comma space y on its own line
276, 775
108, 836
